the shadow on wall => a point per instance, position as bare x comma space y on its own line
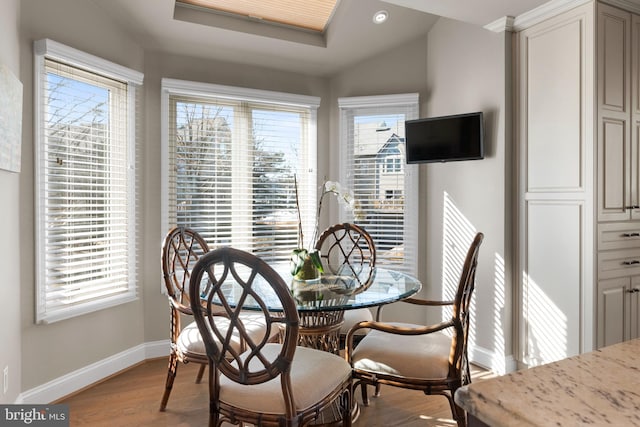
457, 234
546, 325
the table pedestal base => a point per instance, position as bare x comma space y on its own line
321, 330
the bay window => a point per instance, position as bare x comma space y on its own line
231, 157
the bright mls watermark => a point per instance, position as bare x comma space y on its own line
34, 415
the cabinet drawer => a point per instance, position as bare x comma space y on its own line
624, 235
618, 263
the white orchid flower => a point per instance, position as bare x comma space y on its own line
332, 187
345, 198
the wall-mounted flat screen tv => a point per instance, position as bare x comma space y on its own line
445, 139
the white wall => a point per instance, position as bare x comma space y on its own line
467, 70
10, 284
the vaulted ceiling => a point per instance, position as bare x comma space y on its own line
349, 37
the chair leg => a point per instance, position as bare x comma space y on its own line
363, 392
457, 412
347, 406
461, 417
200, 373
171, 375
377, 392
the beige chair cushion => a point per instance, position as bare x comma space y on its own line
413, 356
314, 375
190, 341
351, 317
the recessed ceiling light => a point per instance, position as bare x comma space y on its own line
380, 16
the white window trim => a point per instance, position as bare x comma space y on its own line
46, 48
411, 214
203, 90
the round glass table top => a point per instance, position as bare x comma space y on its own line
369, 288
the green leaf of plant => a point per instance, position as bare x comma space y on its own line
297, 260
315, 257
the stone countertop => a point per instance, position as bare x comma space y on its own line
597, 388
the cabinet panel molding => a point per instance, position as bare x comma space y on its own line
617, 174
619, 235
555, 150
553, 280
619, 263
614, 30
612, 311
614, 171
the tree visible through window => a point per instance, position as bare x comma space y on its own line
85, 182
231, 167
373, 164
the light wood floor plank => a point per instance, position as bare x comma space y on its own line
132, 398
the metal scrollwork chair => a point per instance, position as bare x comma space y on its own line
181, 249
348, 249
432, 358
269, 384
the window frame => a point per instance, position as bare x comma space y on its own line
410, 196
46, 49
307, 186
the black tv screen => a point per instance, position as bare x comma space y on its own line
445, 139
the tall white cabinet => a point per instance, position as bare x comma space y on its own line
578, 129
618, 191
556, 224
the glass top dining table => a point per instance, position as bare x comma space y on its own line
322, 302
331, 292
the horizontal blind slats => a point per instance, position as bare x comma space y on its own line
374, 168
85, 194
231, 170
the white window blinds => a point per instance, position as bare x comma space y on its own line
373, 164
231, 156
85, 182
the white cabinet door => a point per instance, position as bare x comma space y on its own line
618, 310
634, 308
613, 311
635, 113
617, 186
556, 207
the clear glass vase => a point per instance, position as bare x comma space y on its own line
309, 271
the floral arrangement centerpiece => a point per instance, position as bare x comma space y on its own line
306, 263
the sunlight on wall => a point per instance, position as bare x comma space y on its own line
546, 325
457, 235
498, 361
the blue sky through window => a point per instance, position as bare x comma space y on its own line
72, 101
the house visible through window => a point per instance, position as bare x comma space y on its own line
85, 182
373, 164
232, 157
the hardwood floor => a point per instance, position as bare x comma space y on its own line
132, 398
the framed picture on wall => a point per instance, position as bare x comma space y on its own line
10, 120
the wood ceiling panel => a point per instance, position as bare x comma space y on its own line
309, 14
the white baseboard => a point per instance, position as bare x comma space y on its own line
498, 364
84, 377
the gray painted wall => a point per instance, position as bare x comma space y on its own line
10, 285
467, 71
69, 344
